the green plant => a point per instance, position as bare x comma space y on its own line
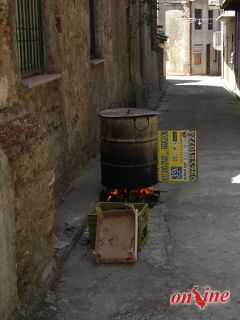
161, 36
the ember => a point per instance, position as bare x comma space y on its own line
143, 195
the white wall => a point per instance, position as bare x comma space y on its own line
228, 67
204, 37
177, 47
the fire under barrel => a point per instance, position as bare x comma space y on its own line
128, 148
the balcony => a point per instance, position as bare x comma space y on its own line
230, 4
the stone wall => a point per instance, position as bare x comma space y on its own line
8, 94
8, 278
26, 146
49, 132
110, 79
151, 59
69, 107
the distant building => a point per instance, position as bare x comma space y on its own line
190, 26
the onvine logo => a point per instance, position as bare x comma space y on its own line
202, 300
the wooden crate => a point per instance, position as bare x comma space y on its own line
116, 235
143, 213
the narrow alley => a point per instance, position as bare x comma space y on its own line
119, 160
193, 234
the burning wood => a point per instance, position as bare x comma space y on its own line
142, 195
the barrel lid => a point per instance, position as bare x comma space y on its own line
127, 113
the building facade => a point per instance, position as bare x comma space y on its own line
227, 20
61, 62
178, 44
190, 26
230, 17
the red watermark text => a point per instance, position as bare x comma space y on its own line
202, 298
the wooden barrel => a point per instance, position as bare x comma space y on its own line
128, 148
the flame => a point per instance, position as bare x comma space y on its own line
115, 192
144, 191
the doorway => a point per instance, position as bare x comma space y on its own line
208, 57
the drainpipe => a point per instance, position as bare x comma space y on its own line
190, 44
236, 49
222, 52
141, 36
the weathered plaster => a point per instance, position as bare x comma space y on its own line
8, 278
55, 130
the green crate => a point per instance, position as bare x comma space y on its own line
142, 226
142, 220
142, 237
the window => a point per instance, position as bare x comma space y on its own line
197, 58
92, 29
210, 19
30, 36
198, 19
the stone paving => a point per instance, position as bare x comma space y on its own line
194, 230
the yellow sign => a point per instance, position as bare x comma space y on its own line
177, 156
